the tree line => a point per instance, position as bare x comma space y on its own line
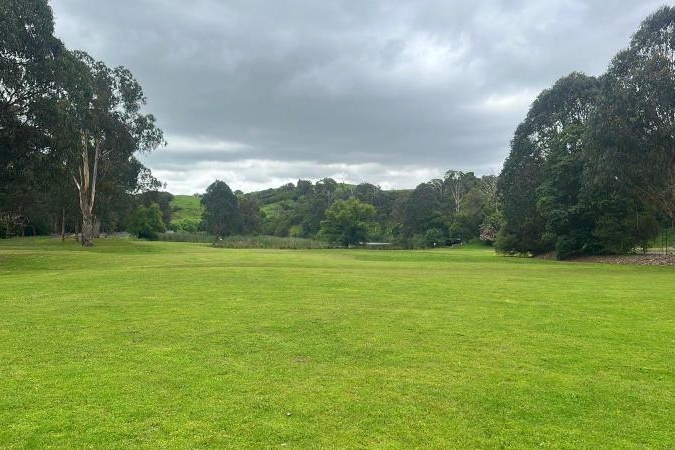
460, 205
70, 130
592, 166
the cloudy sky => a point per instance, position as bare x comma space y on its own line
393, 92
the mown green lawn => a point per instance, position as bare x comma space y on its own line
166, 345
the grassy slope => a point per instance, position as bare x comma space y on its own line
179, 345
186, 207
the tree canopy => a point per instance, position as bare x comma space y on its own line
592, 166
67, 119
221, 210
349, 222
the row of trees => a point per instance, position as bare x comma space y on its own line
70, 127
460, 205
592, 166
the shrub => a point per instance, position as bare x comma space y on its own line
433, 238
146, 222
188, 225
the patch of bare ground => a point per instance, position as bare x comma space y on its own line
649, 259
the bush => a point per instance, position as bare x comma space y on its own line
433, 238
146, 222
189, 225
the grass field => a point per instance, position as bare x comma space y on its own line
156, 345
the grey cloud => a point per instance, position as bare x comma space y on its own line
393, 84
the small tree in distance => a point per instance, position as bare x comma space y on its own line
146, 222
348, 222
221, 215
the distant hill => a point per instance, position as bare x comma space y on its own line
185, 207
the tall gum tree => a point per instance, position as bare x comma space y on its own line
102, 124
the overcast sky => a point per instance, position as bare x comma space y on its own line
392, 92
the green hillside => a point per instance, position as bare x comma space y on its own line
185, 207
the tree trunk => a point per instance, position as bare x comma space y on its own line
86, 186
63, 224
87, 225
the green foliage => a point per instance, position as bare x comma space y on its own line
472, 212
489, 229
97, 128
296, 231
188, 225
592, 167
349, 222
29, 58
146, 222
542, 173
434, 238
221, 215
66, 117
633, 136
285, 192
289, 210
251, 215
162, 199
298, 211
456, 185
422, 210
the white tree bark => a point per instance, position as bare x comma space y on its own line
86, 187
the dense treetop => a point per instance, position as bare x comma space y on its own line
592, 166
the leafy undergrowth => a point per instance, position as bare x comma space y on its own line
159, 344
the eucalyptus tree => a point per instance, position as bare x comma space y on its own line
630, 166
64, 116
456, 184
100, 128
477, 215
548, 141
29, 61
492, 221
